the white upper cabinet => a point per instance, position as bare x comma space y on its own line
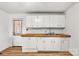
40, 21
59, 20
28, 21
45, 21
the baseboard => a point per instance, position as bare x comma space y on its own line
4, 49
74, 52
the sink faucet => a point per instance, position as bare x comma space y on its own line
50, 32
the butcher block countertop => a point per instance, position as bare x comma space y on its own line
45, 35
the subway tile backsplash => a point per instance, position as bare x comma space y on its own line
43, 31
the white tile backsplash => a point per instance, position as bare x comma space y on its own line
57, 30
43, 31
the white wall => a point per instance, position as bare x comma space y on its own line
4, 38
72, 27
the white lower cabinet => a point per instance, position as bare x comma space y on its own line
43, 44
29, 44
34, 44
56, 44
50, 44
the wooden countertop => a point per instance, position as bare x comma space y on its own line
45, 35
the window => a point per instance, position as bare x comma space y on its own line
17, 27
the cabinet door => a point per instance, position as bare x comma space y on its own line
59, 20
17, 41
28, 21
56, 44
30, 43
40, 20
35, 21
24, 41
51, 21
44, 44
52, 44
65, 44
41, 44
46, 19
47, 44
31, 21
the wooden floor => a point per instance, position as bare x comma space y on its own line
17, 51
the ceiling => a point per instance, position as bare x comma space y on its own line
23, 7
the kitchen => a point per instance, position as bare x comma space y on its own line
48, 40
39, 27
